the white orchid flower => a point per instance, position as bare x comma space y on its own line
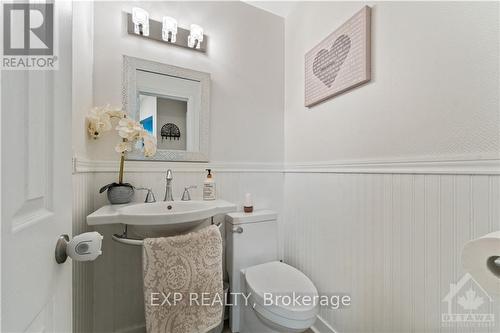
93, 129
99, 119
98, 124
129, 129
123, 147
149, 145
131, 132
115, 112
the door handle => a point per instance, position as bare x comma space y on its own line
83, 247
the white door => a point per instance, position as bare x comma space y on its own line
36, 191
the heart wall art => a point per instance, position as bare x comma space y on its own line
341, 61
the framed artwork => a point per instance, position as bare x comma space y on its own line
341, 61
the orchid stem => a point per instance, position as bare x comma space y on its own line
122, 161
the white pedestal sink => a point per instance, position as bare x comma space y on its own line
160, 218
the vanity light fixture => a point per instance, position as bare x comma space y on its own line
195, 36
140, 18
166, 31
169, 29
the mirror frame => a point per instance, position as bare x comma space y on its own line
131, 102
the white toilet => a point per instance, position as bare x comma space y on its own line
254, 270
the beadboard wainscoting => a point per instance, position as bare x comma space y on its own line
83, 273
117, 274
387, 233
391, 241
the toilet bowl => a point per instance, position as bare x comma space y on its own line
280, 297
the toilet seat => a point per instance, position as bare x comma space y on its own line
268, 283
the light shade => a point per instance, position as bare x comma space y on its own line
140, 18
169, 27
195, 36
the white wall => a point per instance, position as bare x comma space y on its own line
434, 89
245, 61
390, 233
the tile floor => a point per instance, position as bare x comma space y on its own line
227, 330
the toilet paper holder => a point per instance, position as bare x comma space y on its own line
83, 247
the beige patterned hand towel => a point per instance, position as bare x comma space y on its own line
183, 289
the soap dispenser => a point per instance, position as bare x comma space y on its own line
209, 187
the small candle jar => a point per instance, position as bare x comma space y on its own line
248, 204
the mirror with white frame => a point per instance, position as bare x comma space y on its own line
172, 103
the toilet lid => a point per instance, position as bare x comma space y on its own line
283, 290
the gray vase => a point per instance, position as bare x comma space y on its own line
119, 193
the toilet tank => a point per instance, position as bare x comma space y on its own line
251, 239
257, 243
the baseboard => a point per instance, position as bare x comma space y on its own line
133, 329
321, 326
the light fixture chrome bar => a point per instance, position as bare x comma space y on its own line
155, 33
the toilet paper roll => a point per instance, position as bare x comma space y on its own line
481, 259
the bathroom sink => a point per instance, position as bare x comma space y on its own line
159, 213
176, 209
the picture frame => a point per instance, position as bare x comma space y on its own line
341, 61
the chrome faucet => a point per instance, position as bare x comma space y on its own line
150, 196
186, 196
168, 187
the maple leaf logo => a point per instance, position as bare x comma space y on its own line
470, 301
